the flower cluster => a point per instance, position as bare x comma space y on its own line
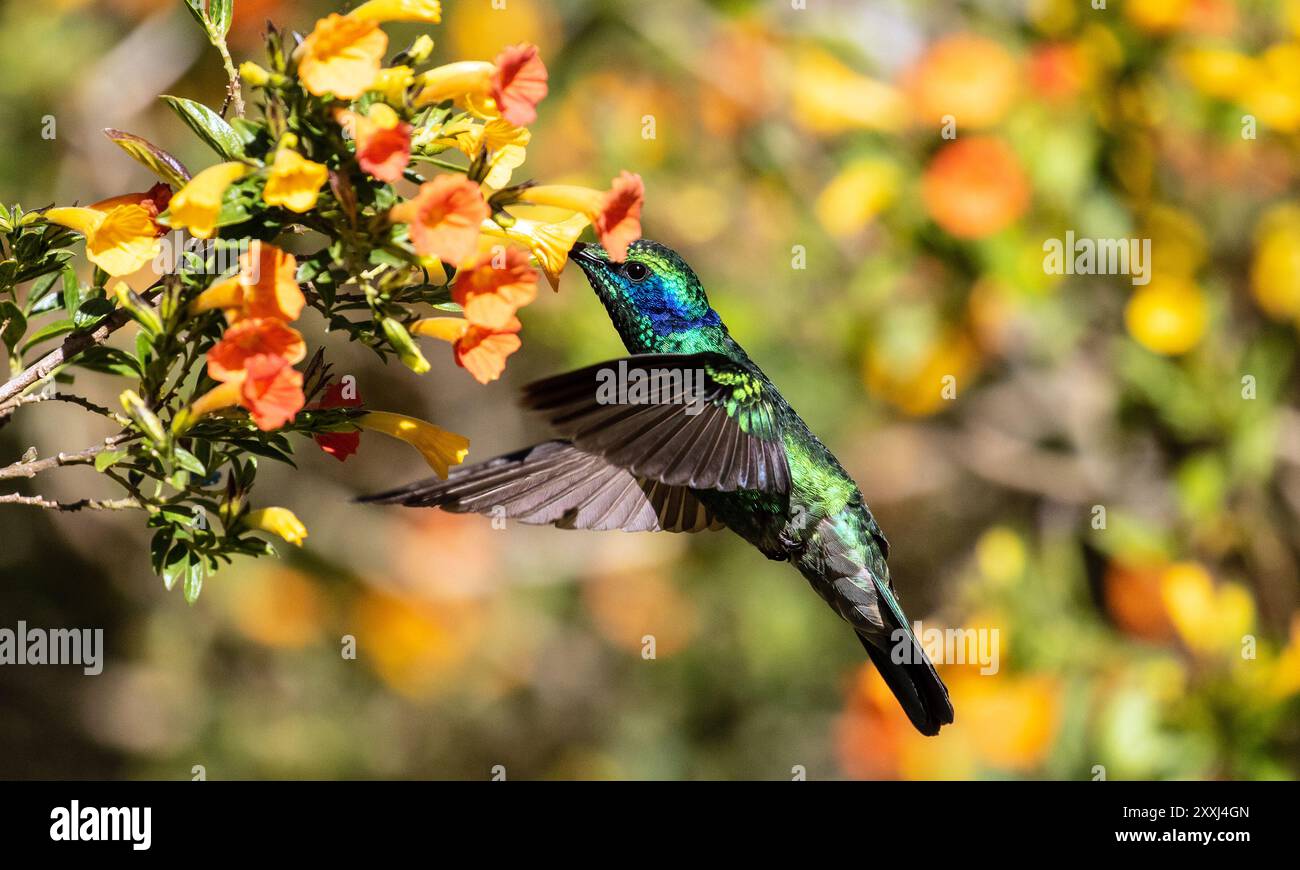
254, 360
376, 190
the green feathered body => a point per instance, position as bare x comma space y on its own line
823, 520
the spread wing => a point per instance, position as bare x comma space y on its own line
699, 420
559, 484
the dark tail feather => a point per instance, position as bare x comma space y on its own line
915, 684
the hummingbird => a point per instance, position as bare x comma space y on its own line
688, 433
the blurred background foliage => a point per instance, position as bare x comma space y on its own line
1157, 638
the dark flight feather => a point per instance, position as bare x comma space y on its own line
718, 431
559, 484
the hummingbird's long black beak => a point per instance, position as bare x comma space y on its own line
581, 253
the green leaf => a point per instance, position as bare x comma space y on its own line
176, 564
109, 458
194, 581
40, 292
110, 360
93, 310
219, 135
257, 448
213, 16
162, 164
8, 272
233, 211
200, 13
159, 546
177, 514
13, 323
143, 348
48, 331
71, 290
189, 462
249, 131
220, 13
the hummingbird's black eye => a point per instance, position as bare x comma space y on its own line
636, 272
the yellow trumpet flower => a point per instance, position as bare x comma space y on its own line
440, 448
392, 82
119, 241
196, 205
294, 181
510, 87
549, 243
278, 521
341, 56
422, 11
615, 213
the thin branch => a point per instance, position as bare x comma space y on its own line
37, 398
232, 86
90, 504
31, 468
71, 346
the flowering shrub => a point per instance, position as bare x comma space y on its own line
396, 180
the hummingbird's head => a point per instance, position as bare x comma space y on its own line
652, 288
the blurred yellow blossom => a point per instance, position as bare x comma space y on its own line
861, 190
1273, 92
1167, 316
413, 645
1000, 554
1285, 679
1012, 720
480, 29
828, 97
1210, 619
1218, 72
1052, 16
1275, 269
915, 383
1157, 16
279, 608
1178, 236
